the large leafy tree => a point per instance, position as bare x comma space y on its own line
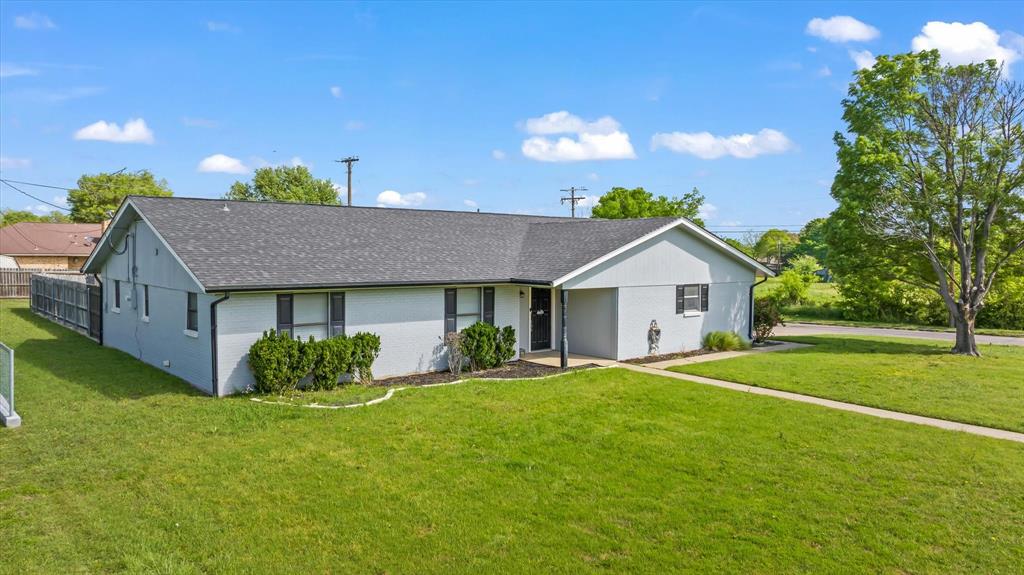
812, 240
8, 217
285, 184
98, 196
930, 181
775, 245
622, 203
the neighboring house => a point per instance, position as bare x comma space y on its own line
190, 284
47, 245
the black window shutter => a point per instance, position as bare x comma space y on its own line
489, 305
337, 313
449, 310
679, 299
704, 297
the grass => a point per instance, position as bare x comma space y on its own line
913, 376
820, 308
119, 467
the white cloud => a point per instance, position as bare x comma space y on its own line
61, 201
498, 155
588, 201
601, 139
354, 125
297, 161
862, 58
14, 163
220, 163
960, 43
708, 146
214, 26
391, 198
824, 72
593, 177
471, 182
34, 21
199, 122
842, 29
707, 211
12, 70
134, 132
336, 91
470, 204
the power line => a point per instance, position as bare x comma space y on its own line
573, 198
17, 189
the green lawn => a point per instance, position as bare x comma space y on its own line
909, 375
121, 468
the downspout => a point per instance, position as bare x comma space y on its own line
750, 305
213, 341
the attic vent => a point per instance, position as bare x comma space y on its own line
225, 208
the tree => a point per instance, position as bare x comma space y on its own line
812, 240
8, 217
775, 245
285, 184
97, 197
622, 203
930, 181
743, 247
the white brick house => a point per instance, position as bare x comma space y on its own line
190, 284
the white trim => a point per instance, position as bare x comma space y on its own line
145, 319
190, 333
701, 232
142, 216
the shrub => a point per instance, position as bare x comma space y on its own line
506, 348
1004, 305
456, 357
479, 343
278, 362
365, 349
805, 266
724, 341
332, 358
792, 288
766, 317
871, 299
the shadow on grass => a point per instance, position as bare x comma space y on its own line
76, 359
844, 345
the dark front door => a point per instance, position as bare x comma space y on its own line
540, 319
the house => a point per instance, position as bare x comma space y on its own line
48, 245
190, 284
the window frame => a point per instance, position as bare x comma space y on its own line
145, 303
698, 300
116, 307
335, 326
192, 312
451, 307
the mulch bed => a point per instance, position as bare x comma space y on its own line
511, 370
667, 356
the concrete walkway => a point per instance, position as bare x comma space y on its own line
816, 329
841, 405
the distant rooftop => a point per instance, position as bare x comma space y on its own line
48, 239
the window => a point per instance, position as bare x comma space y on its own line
192, 313
117, 295
691, 298
284, 314
463, 307
337, 314
145, 302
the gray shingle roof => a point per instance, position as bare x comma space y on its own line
263, 245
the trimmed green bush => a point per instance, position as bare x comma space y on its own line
365, 349
479, 343
333, 357
506, 347
724, 341
278, 362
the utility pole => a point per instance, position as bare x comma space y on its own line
573, 198
349, 161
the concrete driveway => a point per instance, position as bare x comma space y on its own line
816, 329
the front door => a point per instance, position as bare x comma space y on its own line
540, 319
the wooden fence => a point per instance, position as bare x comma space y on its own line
15, 282
71, 299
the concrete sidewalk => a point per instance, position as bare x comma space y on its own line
818, 329
841, 405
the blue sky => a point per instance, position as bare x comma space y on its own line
452, 106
